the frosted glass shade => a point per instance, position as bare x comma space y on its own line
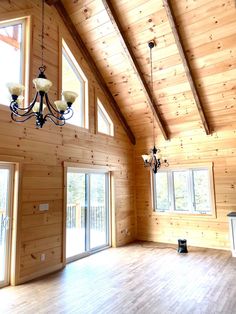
61, 105
69, 96
15, 88
20, 100
42, 85
36, 107
158, 156
146, 158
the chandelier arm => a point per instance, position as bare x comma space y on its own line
14, 106
66, 112
50, 106
57, 121
60, 116
15, 115
69, 111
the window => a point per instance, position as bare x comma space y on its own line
105, 124
73, 79
184, 190
11, 56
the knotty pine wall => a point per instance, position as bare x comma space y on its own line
41, 154
192, 147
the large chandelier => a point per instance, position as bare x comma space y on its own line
41, 107
154, 160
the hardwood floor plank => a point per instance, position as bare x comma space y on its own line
141, 278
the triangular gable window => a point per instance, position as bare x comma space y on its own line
105, 124
73, 79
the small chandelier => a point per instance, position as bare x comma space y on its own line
41, 107
154, 160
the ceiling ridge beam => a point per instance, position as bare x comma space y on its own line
129, 53
86, 55
187, 66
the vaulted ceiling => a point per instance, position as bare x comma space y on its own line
194, 60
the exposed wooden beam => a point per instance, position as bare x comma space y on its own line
10, 40
128, 50
79, 42
187, 66
51, 2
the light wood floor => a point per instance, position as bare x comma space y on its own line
133, 279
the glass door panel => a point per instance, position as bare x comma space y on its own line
5, 213
98, 210
87, 215
76, 214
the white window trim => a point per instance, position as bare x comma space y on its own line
193, 213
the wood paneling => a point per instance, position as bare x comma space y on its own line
42, 153
190, 149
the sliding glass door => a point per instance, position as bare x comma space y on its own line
5, 222
87, 215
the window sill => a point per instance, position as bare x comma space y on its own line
104, 134
185, 215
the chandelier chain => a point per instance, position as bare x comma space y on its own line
152, 88
42, 36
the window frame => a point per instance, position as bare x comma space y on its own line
192, 209
106, 116
25, 66
72, 60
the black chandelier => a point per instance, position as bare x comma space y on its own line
41, 107
154, 160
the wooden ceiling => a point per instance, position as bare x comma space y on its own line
194, 60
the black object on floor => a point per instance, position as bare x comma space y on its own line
182, 246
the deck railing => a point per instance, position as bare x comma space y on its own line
76, 216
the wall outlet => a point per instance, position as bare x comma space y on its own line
43, 207
42, 257
127, 232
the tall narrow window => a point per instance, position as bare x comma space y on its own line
105, 124
73, 79
11, 56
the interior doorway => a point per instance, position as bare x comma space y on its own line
6, 193
87, 212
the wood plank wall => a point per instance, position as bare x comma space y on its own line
42, 153
193, 147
